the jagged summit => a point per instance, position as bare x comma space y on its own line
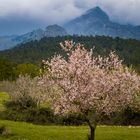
97, 12
95, 9
55, 30
89, 23
95, 21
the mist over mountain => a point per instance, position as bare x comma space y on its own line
7, 42
96, 22
50, 31
93, 22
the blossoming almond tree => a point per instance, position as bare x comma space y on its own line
27, 91
91, 85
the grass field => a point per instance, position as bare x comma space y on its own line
27, 131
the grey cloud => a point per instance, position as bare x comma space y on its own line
60, 11
126, 11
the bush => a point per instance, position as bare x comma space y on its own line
130, 117
45, 116
74, 119
33, 115
27, 91
15, 111
126, 117
5, 131
18, 105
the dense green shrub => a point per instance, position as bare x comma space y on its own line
126, 117
5, 131
34, 115
18, 105
46, 116
38, 115
10, 70
74, 119
129, 117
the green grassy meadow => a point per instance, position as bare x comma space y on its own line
27, 131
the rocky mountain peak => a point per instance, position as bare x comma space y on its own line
55, 30
97, 13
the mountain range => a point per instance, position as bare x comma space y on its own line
96, 22
7, 42
93, 22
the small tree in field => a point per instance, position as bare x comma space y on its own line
91, 85
27, 91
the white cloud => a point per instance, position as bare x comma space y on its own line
59, 11
47, 10
125, 11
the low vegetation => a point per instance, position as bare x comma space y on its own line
24, 56
10, 70
26, 131
80, 85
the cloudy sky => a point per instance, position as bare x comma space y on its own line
21, 16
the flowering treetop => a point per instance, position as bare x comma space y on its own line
88, 82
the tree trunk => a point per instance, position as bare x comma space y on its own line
92, 122
92, 133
